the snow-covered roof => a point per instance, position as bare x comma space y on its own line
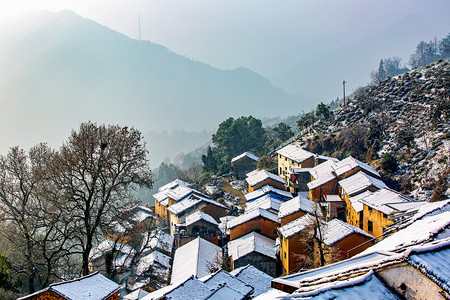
136, 295
197, 216
378, 200
266, 202
225, 292
141, 215
298, 204
221, 277
158, 262
245, 154
195, 258
294, 227
426, 210
330, 170
356, 204
90, 287
360, 261
252, 214
188, 289
174, 184
359, 182
251, 242
433, 261
179, 192
423, 230
333, 198
268, 190
295, 153
336, 230
156, 240
254, 277
257, 176
191, 201
271, 294
350, 163
265, 190
366, 286
106, 246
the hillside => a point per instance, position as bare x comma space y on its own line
406, 116
60, 69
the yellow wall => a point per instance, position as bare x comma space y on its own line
291, 217
291, 251
285, 164
329, 187
379, 220
260, 225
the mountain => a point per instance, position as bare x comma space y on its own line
406, 116
60, 69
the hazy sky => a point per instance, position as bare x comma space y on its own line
265, 36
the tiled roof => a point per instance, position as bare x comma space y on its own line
359, 182
251, 242
245, 154
295, 153
255, 177
252, 214
298, 204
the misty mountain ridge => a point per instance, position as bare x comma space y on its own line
64, 69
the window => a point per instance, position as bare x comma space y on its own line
370, 226
284, 254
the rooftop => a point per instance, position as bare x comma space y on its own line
245, 154
197, 216
336, 230
265, 190
254, 277
191, 201
359, 182
298, 204
251, 242
378, 200
221, 277
257, 176
266, 202
195, 258
252, 214
296, 226
295, 153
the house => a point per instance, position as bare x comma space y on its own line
335, 207
359, 183
292, 251
259, 178
293, 166
254, 249
122, 256
421, 272
325, 177
296, 208
154, 264
178, 211
221, 278
161, 196
243, 164
189, 288
341, 240
198, 257
266, 202
379, 205
254, 277
90, 287
156, 240
199, 224
257, 219
268, 190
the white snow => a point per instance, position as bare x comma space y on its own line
199, 215
295, 153
252, 214
267, 189
245, 154
195, 258
422, 230
225, 292
378, 200
188, 289
221, 277
106, 246
358, 182
136, 295
90, 287
251, 242
266, 202
296, 226
271, 294
336, 230
254, 277
159, 262
298, 204
157, 240
191, 201
173, 184
257, 176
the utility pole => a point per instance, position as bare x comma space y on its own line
343, 84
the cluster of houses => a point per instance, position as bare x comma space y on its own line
330, 228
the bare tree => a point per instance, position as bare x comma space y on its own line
99, 168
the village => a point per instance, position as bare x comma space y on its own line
318, 226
